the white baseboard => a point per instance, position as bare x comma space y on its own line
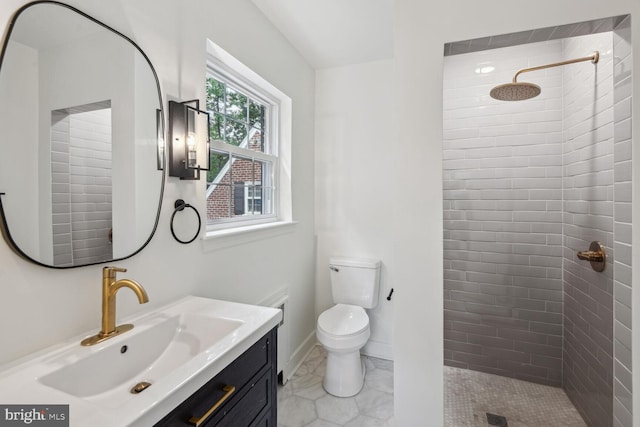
298, 356
378, 349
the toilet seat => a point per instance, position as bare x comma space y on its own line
343, 320
343, 328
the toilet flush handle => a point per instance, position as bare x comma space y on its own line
332, 268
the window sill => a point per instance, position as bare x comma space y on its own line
220, 239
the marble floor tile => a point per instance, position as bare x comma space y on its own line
299, 412
338, 410
302, 402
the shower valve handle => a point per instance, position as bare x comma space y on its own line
596, 256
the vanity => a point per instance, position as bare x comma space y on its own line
250, 402
206, 362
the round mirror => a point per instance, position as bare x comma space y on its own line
81, 147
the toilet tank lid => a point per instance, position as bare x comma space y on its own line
354, 262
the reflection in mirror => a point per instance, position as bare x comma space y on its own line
80, 157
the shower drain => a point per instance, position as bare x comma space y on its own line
496, 420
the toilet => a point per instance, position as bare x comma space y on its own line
344, 328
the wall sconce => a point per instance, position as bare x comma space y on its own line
188, 140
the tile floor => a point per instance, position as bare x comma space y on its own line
302, 402
469, 395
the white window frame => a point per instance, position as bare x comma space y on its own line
225, 68
251, 185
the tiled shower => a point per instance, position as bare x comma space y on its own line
526, 186
81, 186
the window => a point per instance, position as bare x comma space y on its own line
242, 154
247, 183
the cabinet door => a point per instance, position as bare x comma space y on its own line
253, 406
246, 370
265, 421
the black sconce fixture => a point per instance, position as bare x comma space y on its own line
188, 140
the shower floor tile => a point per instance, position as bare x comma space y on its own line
469, 395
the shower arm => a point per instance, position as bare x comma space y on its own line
593, 58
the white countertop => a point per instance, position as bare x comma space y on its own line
19, 384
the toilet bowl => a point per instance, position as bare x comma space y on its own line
343, 330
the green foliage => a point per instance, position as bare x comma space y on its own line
215, 95
218, 161
233, 114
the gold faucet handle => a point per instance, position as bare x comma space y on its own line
111, 271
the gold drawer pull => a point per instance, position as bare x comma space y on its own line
229, 389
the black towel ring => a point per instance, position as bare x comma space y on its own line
179, 206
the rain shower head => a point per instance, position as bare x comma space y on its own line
515, 91
519, 91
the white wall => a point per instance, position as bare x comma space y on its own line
420, 31
20, 91
145, 150
49, 305
353, 182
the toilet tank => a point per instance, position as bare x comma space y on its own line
355, 281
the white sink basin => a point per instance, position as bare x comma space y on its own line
156, 350
176, 348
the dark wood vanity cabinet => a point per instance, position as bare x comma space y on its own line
244, 392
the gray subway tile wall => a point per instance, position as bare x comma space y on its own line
533, 36
503, 218
622, 385
81, 186
507, 317
588, 215
90, 169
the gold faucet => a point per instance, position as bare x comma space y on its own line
109, 288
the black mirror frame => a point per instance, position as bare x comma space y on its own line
4, 226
